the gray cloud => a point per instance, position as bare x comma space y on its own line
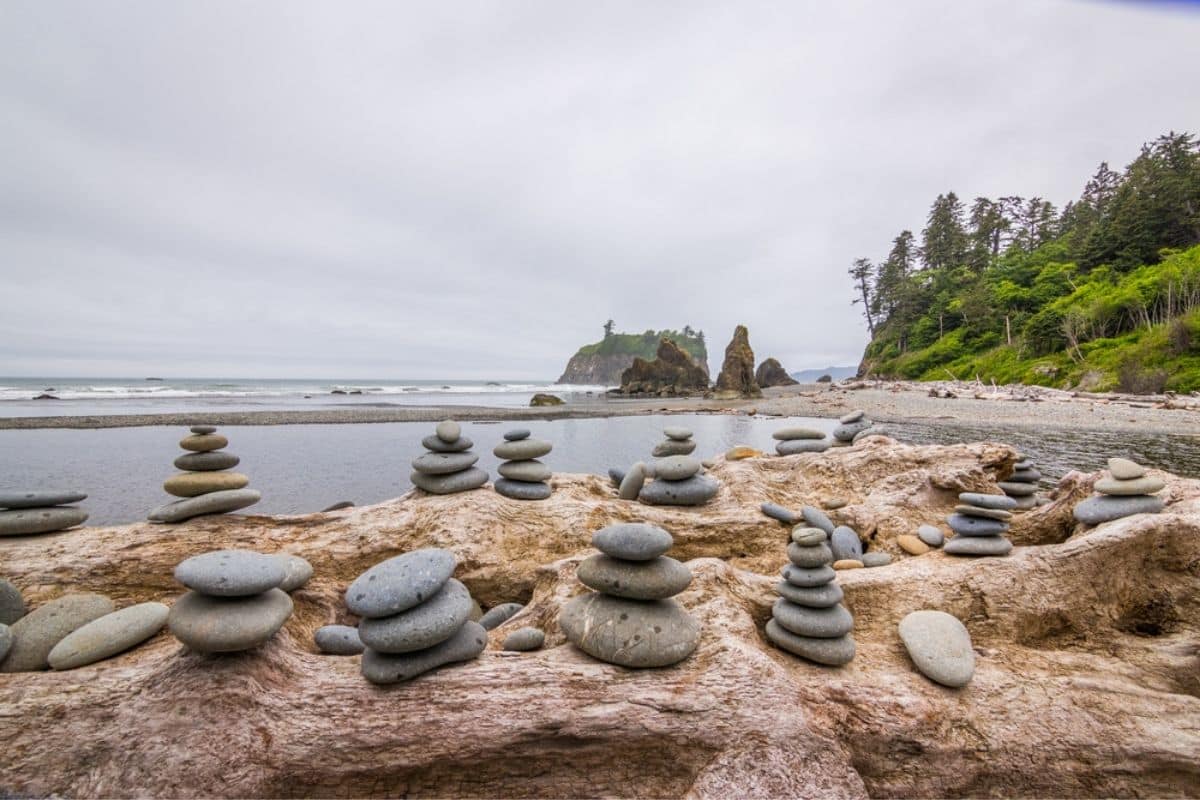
471, 189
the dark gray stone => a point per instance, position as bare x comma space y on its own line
845, 544
809, 556
1105, 508
1025, 476
28, 521
39, 499
495, 617
109, 635
824, 596
978, 546
632, 541
797, 434
998, 501
695, 491
676, 468
530, 470
433, 443
522, 490
975, 526
808, 578
940, 646
820, 623
656, 579
854, 416
12, 606
423, 625
228, 624
211, 503
203, 429
522, 449
36, 633
846, 433
517, 434
444, 463
231, 573
876, 559
296, 571
6, 640
797, 446
338, 640
448, 431
400, 583
931, 535
630, 633
207, 462
453, 483
830, 652
383, 668
817, 518
1017, 489
985, 513
524, 639
677, 434
616, 476
632, 483
775, 511
671, 447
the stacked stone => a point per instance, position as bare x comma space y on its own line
523, 477
1022, 484
1126, 491
979, 524
849, 427
449, 466
678, 443
800, 440
677, 482
809, 619
236, 600
415, 617
25, 513
206, 484
631, 620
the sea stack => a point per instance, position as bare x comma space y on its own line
449, 466
26, 513
800, 440
850, 426
979, 523
1022, 484
809, 619
1126, 491
523, 477
677, 479
234, 601
631, 620
206, 483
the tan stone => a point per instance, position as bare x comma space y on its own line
847, 563
203, 442
912, 545
741, 451
191, 484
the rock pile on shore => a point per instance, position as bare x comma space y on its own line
809, 619
449, 466
678, 482
800, 440
630, 619
523, 476
234, 600
25, 513
31, 638
850, 425
1126, 491
415, 616
678, 442
1021, 486
206, 484
979, 524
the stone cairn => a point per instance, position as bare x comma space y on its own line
1022, 484
809, 619
25, 513
415, 616
631, 620
236, 599
1126, 491
206, 484
523, 477
850, 426
800, 440
449, 466
979, 523
676, 475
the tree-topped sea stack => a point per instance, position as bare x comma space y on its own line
809, 619
206, 483
523, 477
449, 466
850, 426
1021, 486
979, 523
672, 373
235, 600
1126, 491
25, 513
736, 378
630, 619
796, 439
415, 616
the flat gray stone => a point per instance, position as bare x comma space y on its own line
228, 624
207, 462
338, 640
975, 526
854, 416
873, 430
106, 636
1106, 508
1025, 476
798, 446
939, 646
448, 431
6, 640
876, 558
808, 578
695, 491
453, 483
436, 445
530, 470
1148, 484
1027, 502
400, 583
1121, 468
796, 434
998, 501
809, 556
672, 447
517, 434
39, 499
524, 639
29, 521
776, 511
845, 544
805, 536
847, 432
817, 518
522, 449
12, 605
830, 652
978, 546
630, 633
632, 541
676, 468
212, 503
36, 633
495, 617
931, 535
296, 571
677, 434
231, 573
632, 483
522, 490
423, 625
824, 596
1014, 489
985, 513
444, 463
656, 579
616, 476
381, 668
820, 623
1023, 463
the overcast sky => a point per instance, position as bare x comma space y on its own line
469, 190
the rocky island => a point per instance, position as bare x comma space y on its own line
602, 363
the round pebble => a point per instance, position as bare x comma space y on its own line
740, 452
524, 639
338, 640
986, 513
975, 526
978, 546
499, 615
448, 431
852, 417
1121, 468
296, 571
444, 463
432, 442
939, 646
203, 429
776, 511
530, 470
845, 544
109, 635
797, 446
517, 434
228, 624
1106, 508
400, 583
231, 573
807, 537
630, 633
632, 541
808, 578
876, 559
676, 468
673, 447
931, 535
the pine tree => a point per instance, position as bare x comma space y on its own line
863, 273
988, 226
944, 240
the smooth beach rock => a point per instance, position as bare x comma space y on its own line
830, 652
421, 626
517, 434
12, 605
846, 433
1027, 502
383, 668
1025, 476
1120, 468
444, 463
400, 583
939, 646
797, 446
231, 573
676, 468
821, 623
998, 501
776, 511
36, 633
678, 434
456, 482
522, 449
656, 579
807, 537
912, 545
807, 578
524, 639
522, 490
794, 434
432, 442
1147, 484
671, 447
207, 462
106, 636
202, 429
1106, 508
228, 624
495, 617
809, 556
630, 633
6, 640
632, 483
824, 596
975, 526
296, 571
632, 541
694, 491
530, 470
213, 503
28, 521
616, 476
338, 640
817, 518
193, 484
847, 563
39, 499
986, 513
978, 546
740, 452
834, 503
203, 442
448, 431
931, 535
852, 417
845, 544
1017, 489
876, 559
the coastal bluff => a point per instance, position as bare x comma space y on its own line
602, 363
1083, 685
